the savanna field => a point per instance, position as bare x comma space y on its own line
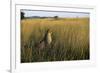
70, 39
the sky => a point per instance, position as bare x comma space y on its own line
29, 13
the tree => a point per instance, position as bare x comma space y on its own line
56, 17
22, 15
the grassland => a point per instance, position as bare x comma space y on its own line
70, 39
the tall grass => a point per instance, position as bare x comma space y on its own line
70, 39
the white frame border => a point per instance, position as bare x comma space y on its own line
38, 66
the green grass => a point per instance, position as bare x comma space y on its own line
70, 39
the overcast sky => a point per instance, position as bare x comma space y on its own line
29, 13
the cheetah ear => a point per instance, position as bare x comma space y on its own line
48, 30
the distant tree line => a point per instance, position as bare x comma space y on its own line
23, 16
